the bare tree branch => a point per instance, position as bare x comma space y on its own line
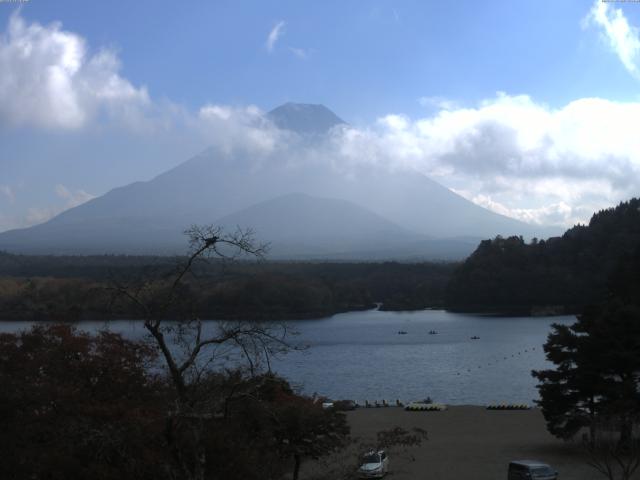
253, 340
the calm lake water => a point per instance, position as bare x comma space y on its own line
360, 355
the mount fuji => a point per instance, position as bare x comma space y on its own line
304, 209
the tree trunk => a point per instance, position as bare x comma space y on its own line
296, 466
592, 434
592, 423
625, 432
199, 453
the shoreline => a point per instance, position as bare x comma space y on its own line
290, 317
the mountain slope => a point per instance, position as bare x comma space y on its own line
299, 224
148, 217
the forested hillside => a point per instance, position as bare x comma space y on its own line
73, 288
559, 275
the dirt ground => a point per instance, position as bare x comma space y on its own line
471, 443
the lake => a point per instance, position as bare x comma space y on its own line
361, 355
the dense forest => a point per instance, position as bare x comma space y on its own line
504, 276
558, 275
74, 288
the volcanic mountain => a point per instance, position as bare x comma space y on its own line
303, 208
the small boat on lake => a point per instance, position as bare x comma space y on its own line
475, 337
401, 332
432, 332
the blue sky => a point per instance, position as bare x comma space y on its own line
364, 59
369, 61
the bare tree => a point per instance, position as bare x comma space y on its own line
189, 348
614, 459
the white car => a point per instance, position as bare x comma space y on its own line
531, 470
374, 464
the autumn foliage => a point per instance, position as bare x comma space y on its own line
74, 405
77, 406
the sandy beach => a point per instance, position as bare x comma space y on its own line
467, 442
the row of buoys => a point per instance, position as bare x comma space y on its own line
495, 362
435, 332
509, 406
425, 407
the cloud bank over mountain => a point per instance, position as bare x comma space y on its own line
291, 192
509, 153
566, 162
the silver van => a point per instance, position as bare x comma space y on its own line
531, 470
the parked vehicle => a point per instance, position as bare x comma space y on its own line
531, 470
374, 464
337, 405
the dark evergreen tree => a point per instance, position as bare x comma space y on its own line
597, 359
570, 393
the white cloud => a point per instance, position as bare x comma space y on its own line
559, 213
238, 128
50, 80
36, 215
622, 37
73, 199
301, 53
276, 32
441, 103
513, 155
10, 222
8, 192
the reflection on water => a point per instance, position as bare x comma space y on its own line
361, 355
